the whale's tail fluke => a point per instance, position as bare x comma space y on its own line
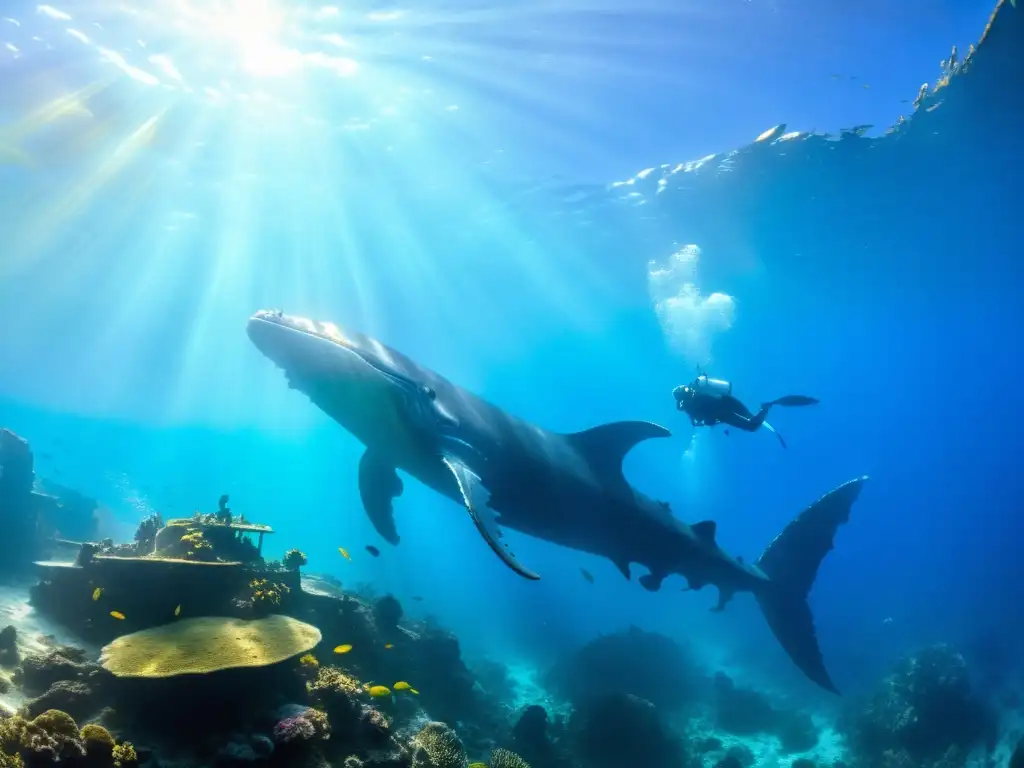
791, 563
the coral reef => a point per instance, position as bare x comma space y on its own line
922, 714
743, 712
646, 664
54, 737
294, 559
617, 729
438, 746
208, 644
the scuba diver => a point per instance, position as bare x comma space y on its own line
709, 401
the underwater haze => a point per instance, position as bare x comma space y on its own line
567, 208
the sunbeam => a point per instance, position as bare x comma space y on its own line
197, 160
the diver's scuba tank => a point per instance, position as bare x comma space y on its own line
702, 385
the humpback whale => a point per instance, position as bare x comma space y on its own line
566, 488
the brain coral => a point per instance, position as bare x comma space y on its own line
208, 644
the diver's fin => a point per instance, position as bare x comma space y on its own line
623, 567
605, 446
706, 530
775, 432
476, 499
651, 581
791, 563
379, 485
795, 400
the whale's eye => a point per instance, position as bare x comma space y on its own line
430, 393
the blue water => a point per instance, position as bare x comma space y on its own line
442, 179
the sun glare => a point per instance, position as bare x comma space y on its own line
254, 28
203, 158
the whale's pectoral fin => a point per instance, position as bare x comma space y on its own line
379, 485
476, 499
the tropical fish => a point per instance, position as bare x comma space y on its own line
389, 646
404, 686
373, 550
587, 575
478, 765
343, 649
379, 691
344, 553
177, 611
117, 615
96, 593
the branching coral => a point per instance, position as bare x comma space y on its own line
265, 592
438, 746
124, 755
502, 758
197, 547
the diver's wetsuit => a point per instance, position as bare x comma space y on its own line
709, 409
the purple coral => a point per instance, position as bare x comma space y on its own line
304, 725
293, 729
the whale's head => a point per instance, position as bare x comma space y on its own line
368, 388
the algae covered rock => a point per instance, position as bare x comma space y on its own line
98, 743
208, 644
50, 737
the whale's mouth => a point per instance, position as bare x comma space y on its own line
270, 321
293, 342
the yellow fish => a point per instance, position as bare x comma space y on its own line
379, 691
401, 685
177, 611
344, 553
96, 593
478, 765
389, 646
117, 615
343, 648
